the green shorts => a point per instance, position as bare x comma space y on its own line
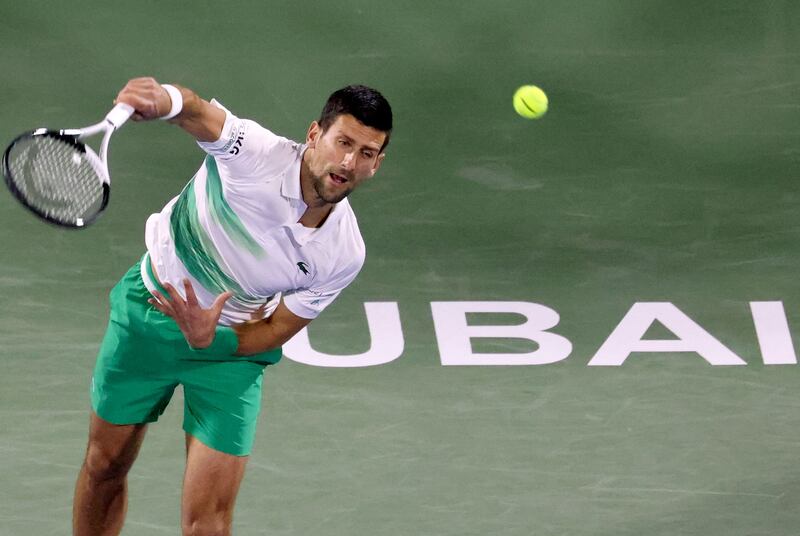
144, 356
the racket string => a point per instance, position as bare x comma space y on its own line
55, 178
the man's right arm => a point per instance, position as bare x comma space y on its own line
150, 100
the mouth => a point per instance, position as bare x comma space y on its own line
338, 179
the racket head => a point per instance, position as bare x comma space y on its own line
58, 178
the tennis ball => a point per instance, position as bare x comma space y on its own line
530, 102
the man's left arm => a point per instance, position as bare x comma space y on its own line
199, 325
269, 333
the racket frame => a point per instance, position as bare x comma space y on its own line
112, 121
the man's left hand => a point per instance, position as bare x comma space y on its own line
198, 325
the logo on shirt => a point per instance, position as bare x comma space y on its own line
237, 144
303, 267
235, 139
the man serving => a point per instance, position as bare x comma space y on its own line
257, 244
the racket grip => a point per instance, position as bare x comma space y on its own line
119, 114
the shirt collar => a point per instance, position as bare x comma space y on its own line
290, 187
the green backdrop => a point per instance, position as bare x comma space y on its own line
665, 170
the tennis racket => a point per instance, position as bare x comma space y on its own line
57, 177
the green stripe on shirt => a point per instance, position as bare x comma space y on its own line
196, 250
223, 214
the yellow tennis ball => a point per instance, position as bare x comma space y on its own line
530, 102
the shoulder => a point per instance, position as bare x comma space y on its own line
260, 139
241, 137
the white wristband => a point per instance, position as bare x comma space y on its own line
177, 101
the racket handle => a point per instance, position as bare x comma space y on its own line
119, 114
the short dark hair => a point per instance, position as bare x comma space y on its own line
367, 105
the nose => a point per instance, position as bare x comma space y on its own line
349, 161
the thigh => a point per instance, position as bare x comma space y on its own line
210, 486
112, 448
222, 401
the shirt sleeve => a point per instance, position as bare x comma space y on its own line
246, 149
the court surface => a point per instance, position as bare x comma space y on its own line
666, 171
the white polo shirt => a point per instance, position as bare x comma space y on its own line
235, 227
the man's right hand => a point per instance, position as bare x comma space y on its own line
148, 98
198, 117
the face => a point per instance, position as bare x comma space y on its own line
340, 159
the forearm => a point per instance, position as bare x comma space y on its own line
258, 336
200, 118
151, 100
266, 334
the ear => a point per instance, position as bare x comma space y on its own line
313, 134
377, 164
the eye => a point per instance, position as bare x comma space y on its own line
344, 143
368, 154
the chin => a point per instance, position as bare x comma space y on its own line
329, 194
335, 198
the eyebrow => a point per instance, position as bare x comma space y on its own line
368, 147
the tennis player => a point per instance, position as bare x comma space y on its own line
257, 244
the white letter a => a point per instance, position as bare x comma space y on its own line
627, 337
